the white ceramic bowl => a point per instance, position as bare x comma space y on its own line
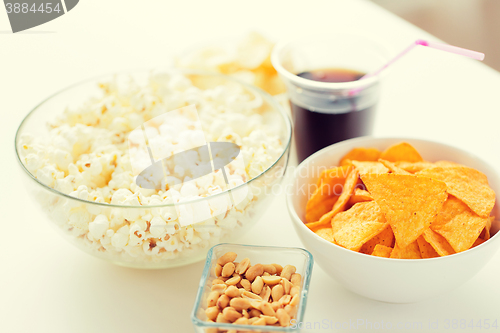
384, 279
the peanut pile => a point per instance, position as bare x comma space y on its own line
253, 295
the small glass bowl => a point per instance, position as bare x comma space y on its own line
300, 258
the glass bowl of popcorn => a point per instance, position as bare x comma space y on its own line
151, 169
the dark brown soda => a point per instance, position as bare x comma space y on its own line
316, 130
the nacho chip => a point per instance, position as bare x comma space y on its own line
349, 185
478, 241
393, 168
446, 164
485, 234
451, 207
354, 227
401, 152
409, 252
410, 203
426, 249
327, 193
462, 230
415, 166
360, 154
360, 195
467, 184
382, 251
370, 167
438, 242
385, 237
325, 233
331, 176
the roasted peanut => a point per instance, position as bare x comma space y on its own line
250, 295
277, 292
270, 269
275, 305
220, 288
212, 312
285, 299
239, 304
246, 284
221, 319
270, 320
291, 310
286, 285
252, 320
241, 321
266, 293
296, 279
254, 271
283, 317
218, 270
294, 291
223, 301
234, 280
255, 304
232, 331
228, 269
232, 291
267, 309
254, 313
217, 281
295, 300
245, 314
231, 314
260, 321
271, 280
257, 285
287, 271
242, 267
212, 298
228, 257
279, 268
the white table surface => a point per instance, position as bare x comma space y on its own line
47, 285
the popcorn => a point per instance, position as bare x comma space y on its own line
87, 156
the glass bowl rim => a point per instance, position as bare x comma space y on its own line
206, 272
270, 99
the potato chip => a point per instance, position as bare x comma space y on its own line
426, 249
438, 242
349, 185
360, 195
382, 251
467, 184
385, 237
325, 233
360, 154
462, 230
327, 193
401, 152
393, 168
410, 203
354, 227
370, 167
413, 167
408, 252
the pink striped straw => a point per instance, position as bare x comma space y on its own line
434, 45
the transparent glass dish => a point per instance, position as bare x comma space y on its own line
59, 206
297, 257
